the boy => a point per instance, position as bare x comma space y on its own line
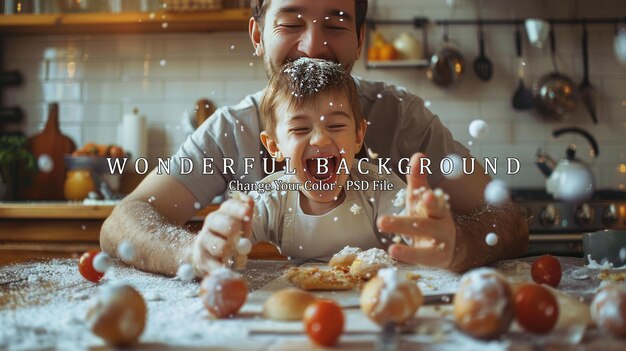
311, 117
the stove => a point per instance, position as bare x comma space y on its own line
557, 227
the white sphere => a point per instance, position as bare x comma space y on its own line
244, 246
452, 166
478, 129
102, 262
126, 251
185, 272
496, 192
45, 163
491, 239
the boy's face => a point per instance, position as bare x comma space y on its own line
323, 129
324, 29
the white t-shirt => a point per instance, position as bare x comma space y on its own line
279, 218
399, 126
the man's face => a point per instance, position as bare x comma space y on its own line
326, 129
324, 29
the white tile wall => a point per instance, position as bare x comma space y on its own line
98, 78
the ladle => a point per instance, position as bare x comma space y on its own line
523, 96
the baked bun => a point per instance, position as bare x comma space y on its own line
223, 292
484, 305
315, 278
345, 257
367, 263
390, 297
287, 304
608, 309
119, 316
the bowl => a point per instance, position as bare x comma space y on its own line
607, 245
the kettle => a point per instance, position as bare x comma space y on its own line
571, 179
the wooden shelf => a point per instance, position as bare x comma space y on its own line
67, 210
136, 22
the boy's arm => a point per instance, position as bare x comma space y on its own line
458, 241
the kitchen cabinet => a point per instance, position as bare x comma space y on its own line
67, 229
134, 22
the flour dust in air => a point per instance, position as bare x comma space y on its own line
478, 129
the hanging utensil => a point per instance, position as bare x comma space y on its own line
482, 65
523, 97
447, 65
587, 91
554, 94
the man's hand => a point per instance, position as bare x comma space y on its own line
217, 240
427, 225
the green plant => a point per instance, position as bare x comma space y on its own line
13, 153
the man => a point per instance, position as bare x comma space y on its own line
151, 217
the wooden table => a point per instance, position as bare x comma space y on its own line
43, 305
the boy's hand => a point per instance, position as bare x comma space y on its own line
216, 241
428, 223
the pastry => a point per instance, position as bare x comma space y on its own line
483, 304
119, 316
287, 304
390, 297
315, 278
223, 292
367, 263
608, 309
345, 257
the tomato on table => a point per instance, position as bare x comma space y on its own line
546, 270
536, 308
323, 322
85, 266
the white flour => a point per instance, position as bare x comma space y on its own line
48, 312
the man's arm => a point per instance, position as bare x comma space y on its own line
474, 219
151, 218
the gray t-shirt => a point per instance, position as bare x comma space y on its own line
399, 126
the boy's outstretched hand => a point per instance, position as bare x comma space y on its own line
217, 240
427, 225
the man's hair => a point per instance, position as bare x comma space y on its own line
259, 7
300, 82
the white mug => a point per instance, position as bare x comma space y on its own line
537, 31
620, 45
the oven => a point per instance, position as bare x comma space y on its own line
557, 227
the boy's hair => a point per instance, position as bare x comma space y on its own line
259, 7
300, 82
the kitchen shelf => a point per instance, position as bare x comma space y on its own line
421, 63
418, 23
135, 22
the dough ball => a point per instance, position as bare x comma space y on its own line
287, 304
119, 316
484, 305
367, 263
345, 257
223, 292
390, 297
608, 309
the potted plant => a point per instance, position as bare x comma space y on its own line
14, 155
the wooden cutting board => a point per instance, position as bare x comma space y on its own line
51, 142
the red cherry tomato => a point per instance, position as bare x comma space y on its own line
546, 270
323, 322
536, 308
85, 266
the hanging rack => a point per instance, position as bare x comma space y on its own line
487, 22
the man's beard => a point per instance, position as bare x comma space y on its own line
270, 68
